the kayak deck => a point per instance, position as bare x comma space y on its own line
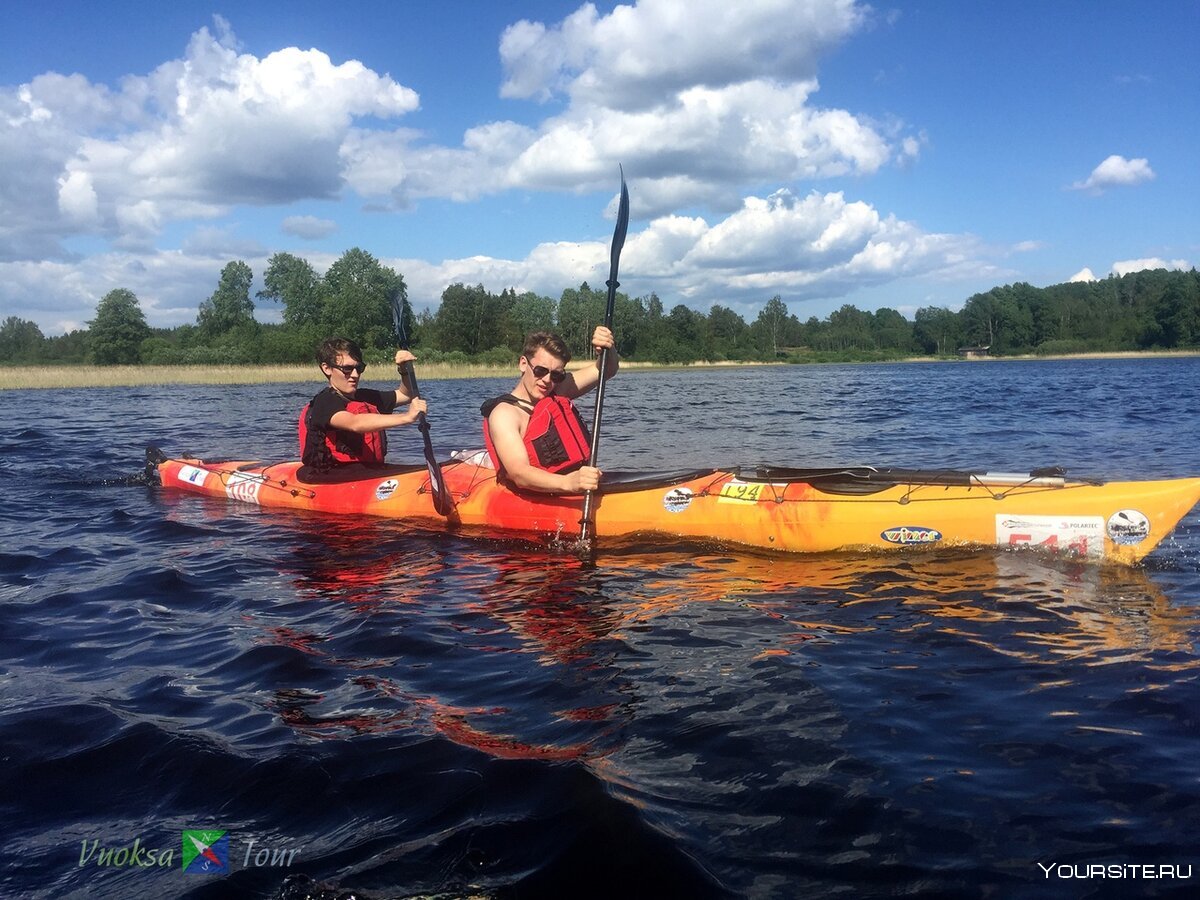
774, 508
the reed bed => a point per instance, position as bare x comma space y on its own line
29, 377
25, 377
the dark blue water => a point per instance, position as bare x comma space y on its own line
416, 713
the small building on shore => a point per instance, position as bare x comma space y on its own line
979, 352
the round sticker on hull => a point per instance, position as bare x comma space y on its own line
1128, 526
677, 499
385, 489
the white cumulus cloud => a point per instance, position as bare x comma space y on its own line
1116, 171
195, 137
1125, 266
640, 54
818, 246
731, 84
700, 98
1084, 274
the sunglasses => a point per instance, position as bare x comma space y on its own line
556, 375
347, 370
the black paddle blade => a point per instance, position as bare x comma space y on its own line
618, 240
399, 323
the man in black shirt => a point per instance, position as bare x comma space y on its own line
345, 423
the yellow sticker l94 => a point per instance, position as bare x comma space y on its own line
734, 491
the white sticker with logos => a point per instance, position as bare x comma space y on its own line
1128, 526
385, 489
192, 475
1082, 535
677, 499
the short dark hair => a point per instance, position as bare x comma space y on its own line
328, 350
548, 341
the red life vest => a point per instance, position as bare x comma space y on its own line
346, 446
556, 438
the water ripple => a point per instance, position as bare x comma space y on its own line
419, 713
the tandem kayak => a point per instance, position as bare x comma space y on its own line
774, 508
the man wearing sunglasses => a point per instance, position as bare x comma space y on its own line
344, 423
536, 438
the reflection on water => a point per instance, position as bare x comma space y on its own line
843, 678
493, 609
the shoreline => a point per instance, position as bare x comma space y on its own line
1100, 354
16, 378
58, 377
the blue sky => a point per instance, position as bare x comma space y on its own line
905, 154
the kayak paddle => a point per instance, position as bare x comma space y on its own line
587, 523
442, 501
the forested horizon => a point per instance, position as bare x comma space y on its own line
1154, 309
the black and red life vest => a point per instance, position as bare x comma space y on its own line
346, 446
556, 438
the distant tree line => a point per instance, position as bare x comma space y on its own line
1149, 310
353, 298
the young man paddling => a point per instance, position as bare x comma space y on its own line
536, 438
344, 423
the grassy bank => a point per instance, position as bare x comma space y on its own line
27, 377
16, 378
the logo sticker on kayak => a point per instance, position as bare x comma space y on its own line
385, 489
1082, 535
1128, 526
192, 475
911, 534
241, 486
677, 499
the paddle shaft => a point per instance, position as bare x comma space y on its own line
443, 503
587, 521
409, 376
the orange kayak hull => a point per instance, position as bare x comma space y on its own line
782, 510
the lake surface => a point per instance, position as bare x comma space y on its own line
405, 713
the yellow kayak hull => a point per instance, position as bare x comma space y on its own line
782, 510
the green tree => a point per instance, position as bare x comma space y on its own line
116, 334
230, 305
472, 320
1178, 315
357, 294
579, 312
20, 341
293, 282
851, 328
530, 312
69, 348
629, 323
652, 342
727, 330
687, 331
892, 331
980, 319
770, 328
936, 330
